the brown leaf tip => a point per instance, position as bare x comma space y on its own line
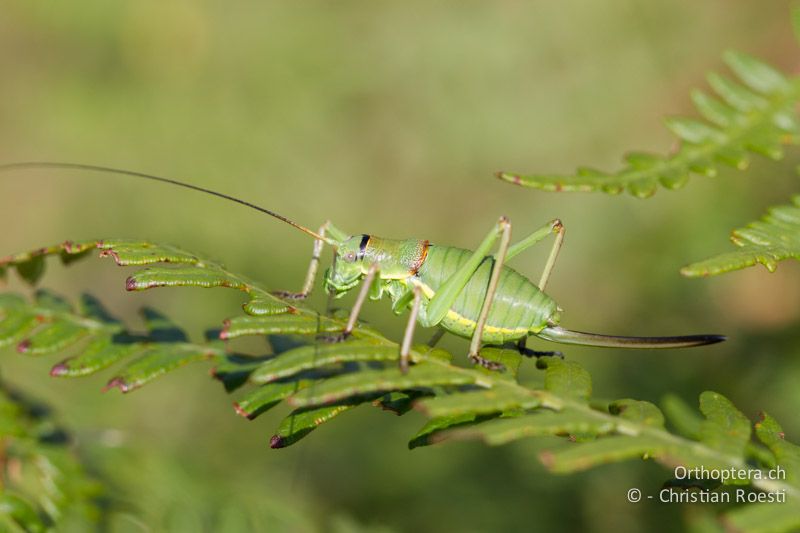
24, 346
224, 333
386, 407
118, 383
241, 412
109, 252
276, 442
130, 284
547, 459
60, 369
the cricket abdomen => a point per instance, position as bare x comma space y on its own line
519, 307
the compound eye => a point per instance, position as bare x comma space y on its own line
350, 257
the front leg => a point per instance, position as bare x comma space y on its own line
369, 278
313, 267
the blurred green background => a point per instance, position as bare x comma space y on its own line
388, 119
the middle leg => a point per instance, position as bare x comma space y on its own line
311, 274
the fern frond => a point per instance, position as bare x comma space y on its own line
49, 324
773, 238
321, 381
754, 114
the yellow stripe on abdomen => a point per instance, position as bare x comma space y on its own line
487, 329
490, 333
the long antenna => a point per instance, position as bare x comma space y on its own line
97, 168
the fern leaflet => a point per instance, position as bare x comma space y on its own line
754, 114
773, 238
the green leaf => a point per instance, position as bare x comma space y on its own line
725, 428
234, 370
319, 355
638, 411
157, 361
692, 131
686, 421
161, 328
566, 378
434, 430
774, 238
713, 110
757, 74
265, 397
757, 115
51, 338
181, 277
399, 403
16, 324
52, 302
542, 423
277, 324
266, 306
510, 358
98, 355
31, 270
303, 421
735, 95
137, 253
581, 456
477, 402
787, 454
423, 375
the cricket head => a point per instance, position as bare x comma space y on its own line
356, 255
348, 266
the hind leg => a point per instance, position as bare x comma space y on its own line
554, 226
500, 257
